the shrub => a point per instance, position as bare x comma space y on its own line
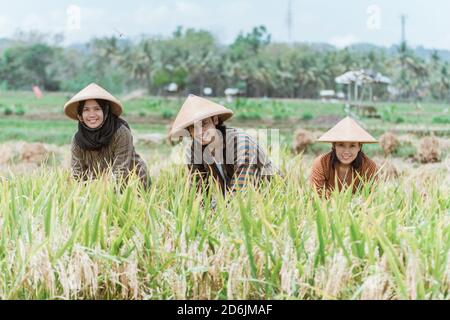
249, 115
20, 111
388, 113
280, 114
441, 120
8, 111
167, 114
153, 104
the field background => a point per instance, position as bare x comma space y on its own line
62, 239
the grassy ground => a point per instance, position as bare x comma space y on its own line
43, 119
245, 109
58, 131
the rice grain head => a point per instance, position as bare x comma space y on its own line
377, 285
338, 275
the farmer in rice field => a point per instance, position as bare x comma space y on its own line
103, 140
346, 163
231, 157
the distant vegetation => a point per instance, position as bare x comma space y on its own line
194, 60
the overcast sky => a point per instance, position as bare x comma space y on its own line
336, 22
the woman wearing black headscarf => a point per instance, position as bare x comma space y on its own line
103, 141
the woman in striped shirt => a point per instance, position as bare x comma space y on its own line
230, 156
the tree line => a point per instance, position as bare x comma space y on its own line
194, 60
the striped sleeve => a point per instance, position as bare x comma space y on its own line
246, 161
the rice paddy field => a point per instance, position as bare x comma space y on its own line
60, 239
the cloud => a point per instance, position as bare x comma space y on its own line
32, 21
5, 26
162, 19
307, 18
344, 41
190, 9
149, 15
93, 14
444, 42
94, 22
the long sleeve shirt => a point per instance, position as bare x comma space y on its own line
324, 177
119, 156
242, 161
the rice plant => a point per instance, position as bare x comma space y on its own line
61, 239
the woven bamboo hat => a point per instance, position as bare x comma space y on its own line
92, 91
347, 130
197, 109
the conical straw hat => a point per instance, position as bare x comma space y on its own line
347, 130
196, 109
92, 91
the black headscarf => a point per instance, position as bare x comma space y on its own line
95, 139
